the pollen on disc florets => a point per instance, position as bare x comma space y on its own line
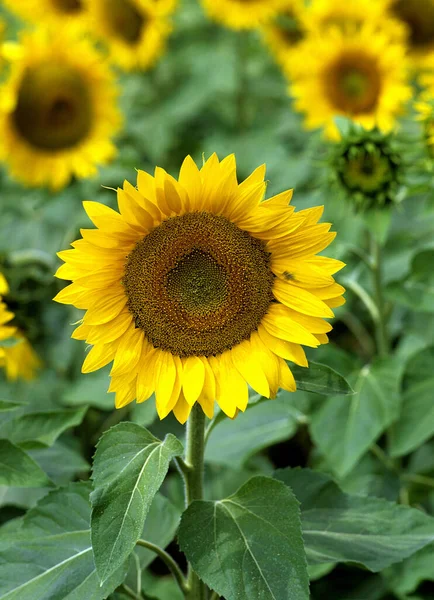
367, 165
198, 285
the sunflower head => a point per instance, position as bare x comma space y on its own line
58, 110
134, 31
361, 76
425, 114
285, 31
198, 287
243, 14
368, 167
417, 18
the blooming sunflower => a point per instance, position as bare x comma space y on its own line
163, 7
417, 16
243, 14
58, 110
51, 12
198, 288
362, 76
285, 31
133, 30
17, 356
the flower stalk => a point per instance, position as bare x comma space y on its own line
381, 328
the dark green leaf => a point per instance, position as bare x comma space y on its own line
51, 558
416, 291
345, 430
338, 527
320, 379
232, 441
248, 546
129, 467
18, 469
42, 428
405, 577
8, 406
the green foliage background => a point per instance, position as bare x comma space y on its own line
217, 90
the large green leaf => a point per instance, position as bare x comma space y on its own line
344, 429
248, 546
320, 379
39, 428
338, 527
18, 469
416, 291
51, 558
129, 467
232, 441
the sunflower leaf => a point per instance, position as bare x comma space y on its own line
18, 469
339, 527
129, 467
50, 554
321, 379
248, 546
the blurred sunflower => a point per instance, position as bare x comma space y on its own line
198, 288
351, 14
163, 7
17, 356
58, 110
425, 114
284, 32
362, 76
243, 14
417, 16
135, 33
51, 12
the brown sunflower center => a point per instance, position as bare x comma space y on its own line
198, 285
54, 108
418, 15
68, 6
289, 28
124, 20
353, 83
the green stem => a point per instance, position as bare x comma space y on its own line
194, 459
419, 479
170, 563
214, 596
130, 593
381, 331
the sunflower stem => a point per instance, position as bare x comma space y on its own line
194, 459
170, 563
380, 325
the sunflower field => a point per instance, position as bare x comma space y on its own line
216, 299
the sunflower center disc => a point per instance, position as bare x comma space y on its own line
198, 285
54, 109
353, 84
68, 6
125, 20
368, 173
419, 17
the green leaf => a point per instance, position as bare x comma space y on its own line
129, 467
61, 462
410, 431
8, 406
345, 430
338, 527
320, 379
416, 291
18, 469
248, 546
90, 390
51, 558
42, 428
231, 442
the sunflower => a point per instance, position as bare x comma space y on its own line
51, 12
425, 114
362, 76
243, 14
163, 7
198, 288
285, 31
133, 30
17, 356
417, 17
349, 15
58, 110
